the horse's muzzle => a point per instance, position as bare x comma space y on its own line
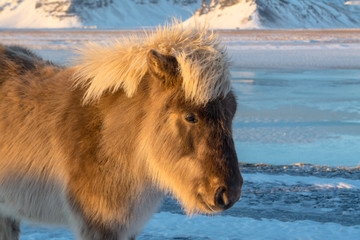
226, 197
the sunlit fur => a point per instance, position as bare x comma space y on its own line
94, 147
203, 62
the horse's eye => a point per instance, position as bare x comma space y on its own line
191, 118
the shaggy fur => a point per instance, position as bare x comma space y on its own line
157, 119
203, 63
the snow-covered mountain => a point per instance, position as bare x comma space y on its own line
92, 13
232, 14
222, 14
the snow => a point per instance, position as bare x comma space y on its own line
241, 15
319, 183
119, 14
298, 102
228, 227
245, 14
127, 14
32, 17
166, 225
254, 14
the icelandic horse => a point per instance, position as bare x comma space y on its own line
96, 145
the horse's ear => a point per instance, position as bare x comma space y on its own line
163, 67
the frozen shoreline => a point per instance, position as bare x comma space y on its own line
168, 226
250, 49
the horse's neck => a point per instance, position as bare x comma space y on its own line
104, 133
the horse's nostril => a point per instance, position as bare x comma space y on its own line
221, 200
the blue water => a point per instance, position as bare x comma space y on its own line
293, 116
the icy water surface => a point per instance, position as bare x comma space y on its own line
291, 116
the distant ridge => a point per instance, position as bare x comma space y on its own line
240, 14
219, 14
92, 13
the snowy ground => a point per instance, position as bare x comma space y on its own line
278, 202
298, 95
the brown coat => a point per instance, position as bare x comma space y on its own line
95, 146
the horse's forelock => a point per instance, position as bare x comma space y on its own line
205, 75
203, 63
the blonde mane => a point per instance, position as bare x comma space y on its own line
203, 63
